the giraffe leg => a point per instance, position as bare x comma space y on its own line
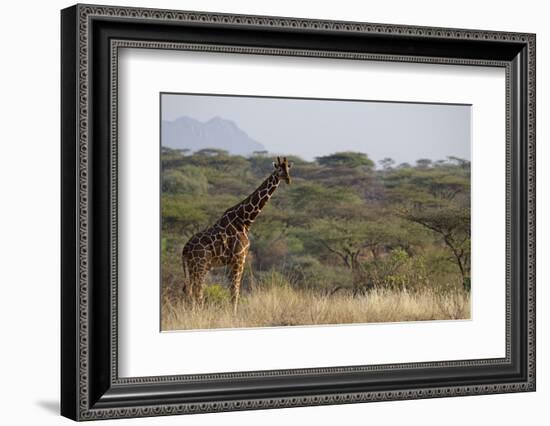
236, 277
187, 287
188, 290
191, 292
199, 291
194, 289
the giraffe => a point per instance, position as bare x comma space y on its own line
226, 242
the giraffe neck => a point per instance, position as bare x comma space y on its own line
264, 193
243, 214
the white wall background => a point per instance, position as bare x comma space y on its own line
29, 212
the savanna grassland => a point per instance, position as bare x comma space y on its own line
346, 242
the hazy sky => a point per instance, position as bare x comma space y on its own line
311, 128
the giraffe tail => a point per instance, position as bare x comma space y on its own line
185, 267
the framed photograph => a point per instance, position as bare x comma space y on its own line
263, 212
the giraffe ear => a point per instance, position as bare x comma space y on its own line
290, 164
274, 165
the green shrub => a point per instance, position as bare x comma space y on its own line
178, 213
188, 180
397, 270
308, 272
216, 294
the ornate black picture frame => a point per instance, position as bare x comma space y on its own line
90, 385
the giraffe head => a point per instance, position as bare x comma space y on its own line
282, 168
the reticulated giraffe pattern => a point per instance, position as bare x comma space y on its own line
226, 243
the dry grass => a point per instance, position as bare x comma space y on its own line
285, 306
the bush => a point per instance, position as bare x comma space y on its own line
178, 213
397, 270
217, 295
189, 180
308, 272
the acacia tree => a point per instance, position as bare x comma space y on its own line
438, 199
355, 238
423, 163
347, 159
453, 225
346, 241
387, 163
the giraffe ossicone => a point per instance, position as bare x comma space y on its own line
226, 242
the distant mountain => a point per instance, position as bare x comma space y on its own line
188, 133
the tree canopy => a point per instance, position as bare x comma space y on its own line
342, 221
